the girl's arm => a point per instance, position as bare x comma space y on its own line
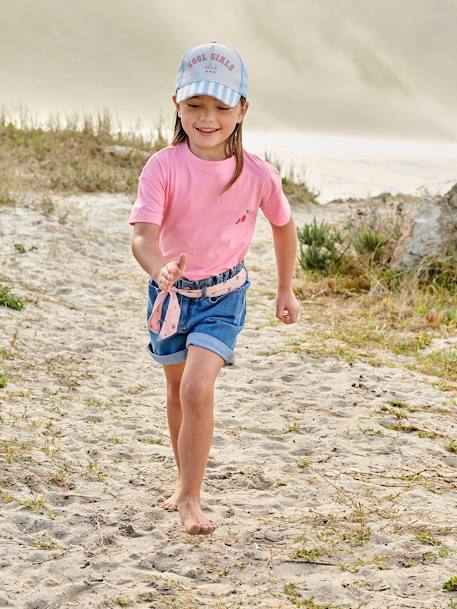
146, 250
285, 243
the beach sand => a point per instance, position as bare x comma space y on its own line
314, 496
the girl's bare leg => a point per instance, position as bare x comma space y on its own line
173, 373
194, 442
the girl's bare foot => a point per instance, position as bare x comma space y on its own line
171, 504
193, 519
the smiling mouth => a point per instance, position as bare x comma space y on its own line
206, 130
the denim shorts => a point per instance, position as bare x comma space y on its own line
210, 322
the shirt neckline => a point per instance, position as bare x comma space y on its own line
197, 159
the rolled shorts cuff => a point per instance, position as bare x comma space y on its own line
200, 339
173, 358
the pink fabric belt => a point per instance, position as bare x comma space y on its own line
171, 321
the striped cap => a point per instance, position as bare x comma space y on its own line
212, 69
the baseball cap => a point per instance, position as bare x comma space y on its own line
212, 69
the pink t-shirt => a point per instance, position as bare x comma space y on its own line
180, 192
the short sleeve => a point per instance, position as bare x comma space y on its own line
274, 203
150, 202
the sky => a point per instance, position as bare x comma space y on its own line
361, 67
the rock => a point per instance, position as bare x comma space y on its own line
125, 152
430, 231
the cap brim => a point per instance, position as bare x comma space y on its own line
228, 96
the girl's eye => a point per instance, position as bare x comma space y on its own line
196, 106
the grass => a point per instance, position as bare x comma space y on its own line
13, 450
398, 410
43, 542
292, 428
441, 363
70, 156
100, 404
6, 198
37, 506
124, 601
452, 446
451, 584
94, 471
295, 598
303, 463
307, 554
335, 539
114, 440
149, 440
400, 311
9, 300
296, 190
425, 537
370, 431
378, 323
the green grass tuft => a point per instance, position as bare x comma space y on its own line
9, 300
451, 584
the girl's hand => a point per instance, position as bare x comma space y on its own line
287, 306
171, 272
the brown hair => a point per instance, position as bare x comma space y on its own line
233, 145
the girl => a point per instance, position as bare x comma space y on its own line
193, 221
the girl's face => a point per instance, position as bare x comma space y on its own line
208, 123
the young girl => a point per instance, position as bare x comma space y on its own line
193, 221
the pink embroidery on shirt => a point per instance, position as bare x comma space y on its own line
243, 217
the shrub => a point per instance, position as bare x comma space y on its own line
439, 271
369, 241
363, 249
324, 246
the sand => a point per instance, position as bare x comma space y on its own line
314, 496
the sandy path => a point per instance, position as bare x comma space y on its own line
300, 448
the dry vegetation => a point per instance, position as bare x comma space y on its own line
368, 308
76, 156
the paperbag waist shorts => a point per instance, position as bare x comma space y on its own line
210, 322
